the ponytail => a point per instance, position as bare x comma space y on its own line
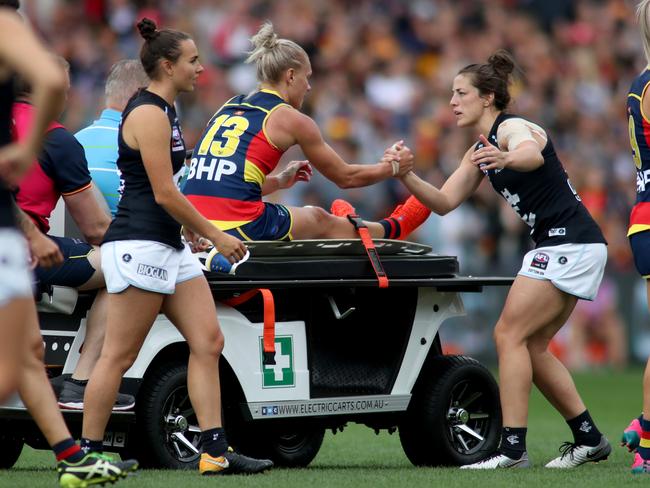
273, 56
158, 44
494, 76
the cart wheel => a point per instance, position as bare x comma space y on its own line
167, 433
287, 445
295, 447
10, 448
454, 417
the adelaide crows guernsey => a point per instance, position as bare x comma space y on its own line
138, 215
639, 129
545, 199
6, 102
230, 163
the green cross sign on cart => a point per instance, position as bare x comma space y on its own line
280, 374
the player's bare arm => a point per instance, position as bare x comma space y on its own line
87, 213
288, 126
32, 62
459, 187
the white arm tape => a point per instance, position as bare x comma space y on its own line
515, 131
395, 164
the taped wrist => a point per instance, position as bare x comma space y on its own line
395, 165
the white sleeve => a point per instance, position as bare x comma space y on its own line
513, 132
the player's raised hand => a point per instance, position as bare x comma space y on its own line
294, 172
391, 156
402, 158
489, 156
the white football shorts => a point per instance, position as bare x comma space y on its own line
147, 265
576, 269
15, 275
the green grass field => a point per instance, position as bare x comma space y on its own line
359, 458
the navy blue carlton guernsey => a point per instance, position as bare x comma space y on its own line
138, 215
544, 198
6, 101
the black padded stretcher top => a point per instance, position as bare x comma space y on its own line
344, 262
337, 259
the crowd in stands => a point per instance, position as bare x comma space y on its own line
382, 70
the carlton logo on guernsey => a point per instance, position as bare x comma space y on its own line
639, 132
230, 163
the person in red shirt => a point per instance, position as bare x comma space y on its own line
61, 171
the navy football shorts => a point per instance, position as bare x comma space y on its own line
273, 225
75, 270
640, 244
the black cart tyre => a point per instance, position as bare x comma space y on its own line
290, 445
10, 448
167, 432
294, 448
454, 416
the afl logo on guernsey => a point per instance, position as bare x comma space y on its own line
177, 140
540, 260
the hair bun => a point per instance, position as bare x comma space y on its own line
271, 41
147, 28
502, 62
266, 37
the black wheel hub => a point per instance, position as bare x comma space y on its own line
183, 435
458, 415
468, 416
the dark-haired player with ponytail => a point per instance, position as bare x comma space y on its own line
567, 264
147, 266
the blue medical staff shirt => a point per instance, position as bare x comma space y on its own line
99, 141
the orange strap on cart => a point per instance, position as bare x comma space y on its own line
371, 250
269, 319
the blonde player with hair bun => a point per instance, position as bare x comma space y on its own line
233, 163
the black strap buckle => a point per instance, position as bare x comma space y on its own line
268, 358
357, 221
